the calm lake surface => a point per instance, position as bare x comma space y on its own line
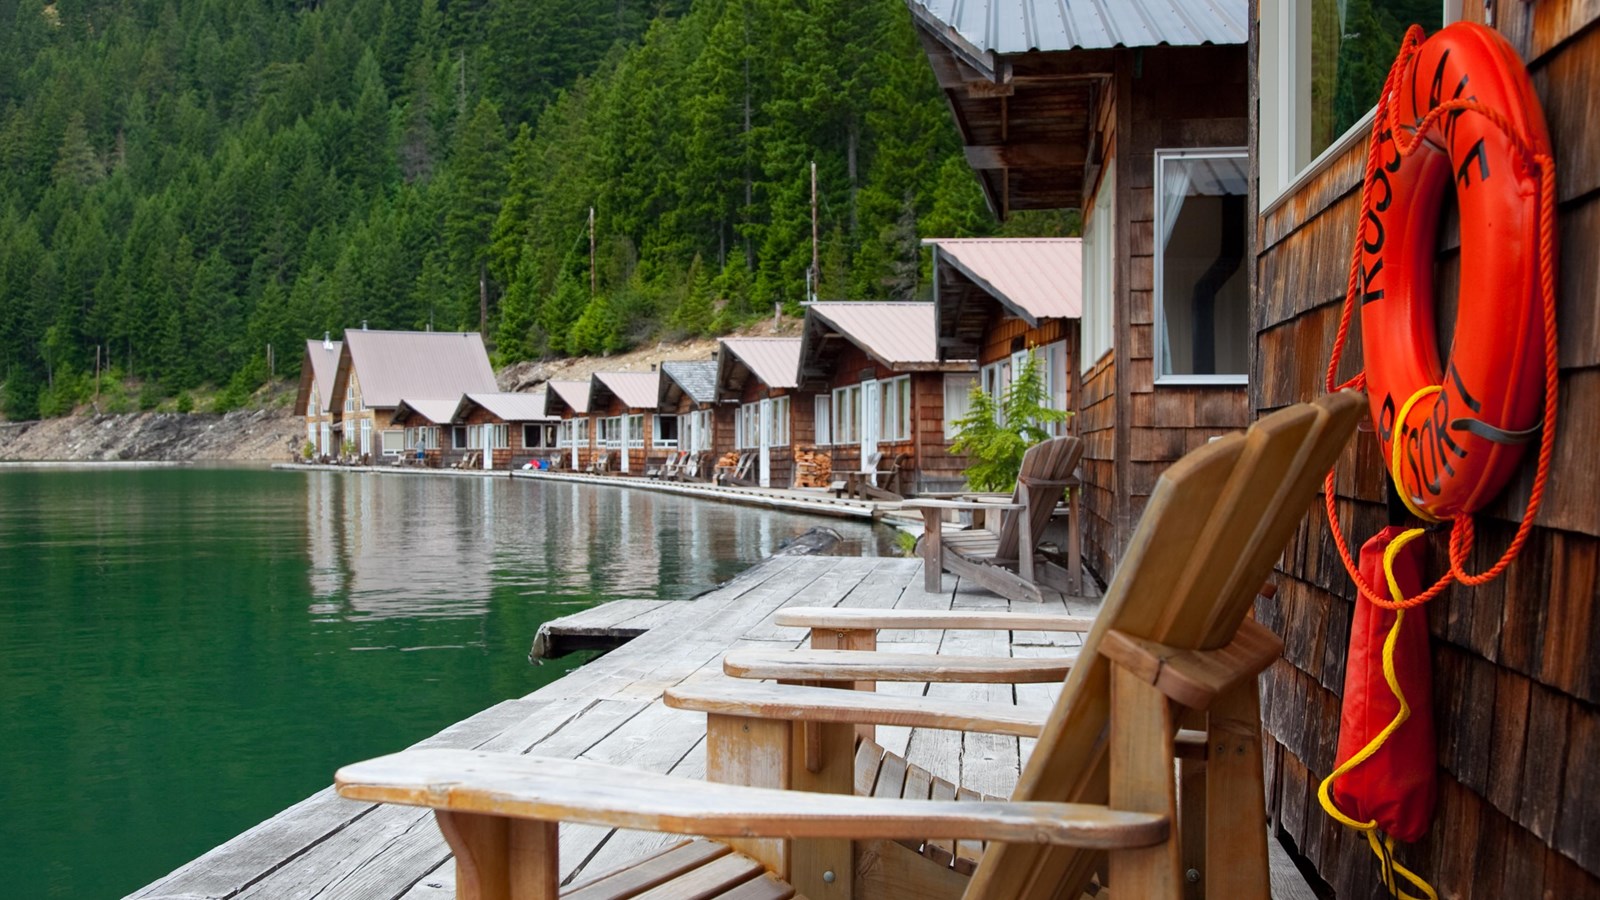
185, 652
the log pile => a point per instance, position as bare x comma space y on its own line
812, 468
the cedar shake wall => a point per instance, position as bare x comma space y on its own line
1177, 97
935, 467
1096, 423
802, 429
1516, 685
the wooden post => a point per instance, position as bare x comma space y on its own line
816, 253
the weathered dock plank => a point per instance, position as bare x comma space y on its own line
604, 627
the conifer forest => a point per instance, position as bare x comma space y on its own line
184, 183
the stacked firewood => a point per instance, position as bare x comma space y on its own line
812, 468
728, 460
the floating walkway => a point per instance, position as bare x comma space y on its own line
610, 710
604, 627
813, 501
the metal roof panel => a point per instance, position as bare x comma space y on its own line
775, 361
573, 393
636, 390
324, 356
510, 407
1018, 26
895, 333
1038, 278
421, 364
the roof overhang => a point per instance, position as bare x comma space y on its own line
822, 336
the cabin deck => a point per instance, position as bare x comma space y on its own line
604, 627
610, 710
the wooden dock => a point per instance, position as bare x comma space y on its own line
604, 627
610, 710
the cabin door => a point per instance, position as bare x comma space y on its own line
627, 439
488, 446
324, 448
765, 432
871, 403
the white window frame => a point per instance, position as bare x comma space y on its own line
747, 426
460, 437
894, 409
1284, 75
634, 434
399, 435
847, 414
1158, 262
822, 416
962, 383
1097, 328
313, 407
366, 437
352, 395
778, 434
499, 436
656, 440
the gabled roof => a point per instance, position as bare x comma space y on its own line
774, 362
320, 366
636, 390
899, 335
573, 395
416, 364
1036, 278
1031, 278
507, 407
435, 410
697, 378
1018, 26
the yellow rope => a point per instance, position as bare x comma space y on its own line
1385, 849
1394, 459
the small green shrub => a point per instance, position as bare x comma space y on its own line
150, 396
185, 403
905, 543
308, 450
996, 434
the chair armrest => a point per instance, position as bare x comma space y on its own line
568, 790
867, 665
755, 700
958, 504
858, 619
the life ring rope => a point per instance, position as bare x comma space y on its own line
1462, 532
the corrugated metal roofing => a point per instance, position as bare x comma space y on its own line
775, 361
895, 333
1038, 278
698, 379
1017, 26
636, 390
324, 366
422, 364
435, 410
506, 407
573, 393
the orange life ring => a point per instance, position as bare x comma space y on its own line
1461, 442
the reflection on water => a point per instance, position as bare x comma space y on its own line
185, 652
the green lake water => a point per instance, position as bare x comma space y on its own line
185, 652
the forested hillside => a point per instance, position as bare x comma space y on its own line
186, 182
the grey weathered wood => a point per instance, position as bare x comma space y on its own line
604, 627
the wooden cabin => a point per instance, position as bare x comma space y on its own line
513, 426
879, 387
314, 400
625, 421
379, 368
427, 428
1516, 682
689, 391
773, 416
568, 403
1141, 121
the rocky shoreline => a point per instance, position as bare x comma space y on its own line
241, 435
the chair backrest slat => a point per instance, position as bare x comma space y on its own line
1047, 461
1211, 531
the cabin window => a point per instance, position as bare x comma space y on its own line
1053, 371
611, 432
366, 437
664, 432
499, 436
458, 437
635, 435
747, 426
1321, 68
394, 441
894, 409
847, 414
538, 437
1202, 303
822, 415
778, 426
957, 400
313, 406
1099, 237
424, 437
352, 395
702, 430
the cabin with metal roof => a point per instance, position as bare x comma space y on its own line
514, 426
1137, 113
689, 391
568, 403
772, 416
1516, 679
880, 389
625, 420
378, 369
314, 400
428, 433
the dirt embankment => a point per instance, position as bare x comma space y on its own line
258, 434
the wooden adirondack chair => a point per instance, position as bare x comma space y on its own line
883, 482
741, 474
1099, 786
600, 463
1007, 563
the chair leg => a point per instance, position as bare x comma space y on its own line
501, 858
1236, 810
1141, 780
